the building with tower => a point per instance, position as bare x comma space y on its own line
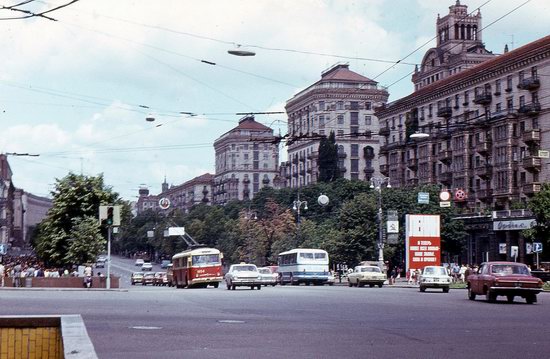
480, 129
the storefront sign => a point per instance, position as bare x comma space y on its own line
514, 225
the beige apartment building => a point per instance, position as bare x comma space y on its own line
184, 196
488, 127
247, 159
342, 101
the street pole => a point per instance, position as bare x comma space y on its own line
376, 184
297, 205
109, 229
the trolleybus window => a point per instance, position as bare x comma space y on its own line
206, 259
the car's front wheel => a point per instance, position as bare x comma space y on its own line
471, 294
490, 296
422, 288
446, 290
530, 299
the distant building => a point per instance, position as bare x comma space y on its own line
247, 159
342, 101
184, 196
20, 211
489, 132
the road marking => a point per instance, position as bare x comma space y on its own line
145, 328
231, 321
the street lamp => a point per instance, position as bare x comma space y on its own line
297, 205
376, 183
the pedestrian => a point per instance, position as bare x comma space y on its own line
2, 273
393, 274
17, 275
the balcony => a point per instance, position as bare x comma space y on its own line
482, 121
531, 135
507, 112
342, 155
384, 131
312, 155
384, 169
532, 163
412, 163
446, 111
530, 109
531, 188
383, 150
444, 134
412, 181
446, 177
530, 83
483, 98
445, 156
484, 171
484, 194
484, 147
370, 170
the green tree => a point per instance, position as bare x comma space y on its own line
75, 198
85, 241
328, 159
540, 206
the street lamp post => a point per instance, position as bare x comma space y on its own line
297, 205
376, 183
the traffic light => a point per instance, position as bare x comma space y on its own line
110, 215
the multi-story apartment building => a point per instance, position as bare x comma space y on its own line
343, 102
184, 196
7, 190
489, 132
247, 159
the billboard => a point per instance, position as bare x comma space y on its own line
422, 240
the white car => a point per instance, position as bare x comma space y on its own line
434, 277
371, 275
146, 267
241, 275
139, 262
267, 277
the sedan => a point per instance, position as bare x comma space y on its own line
508, 279
148, 278
147, 267
435, 277
137, 277
139, 262
267, 277
161, 278
243, 275
371, 275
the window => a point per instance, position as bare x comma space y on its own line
368, 106
340, 119
368, 120
509, 83
321, 121
340, 133
321, 105
501, 132
354, 150
354, 119
340, 105
354, 105
497, 87
466, 97
430, 110
354, 165
457, 101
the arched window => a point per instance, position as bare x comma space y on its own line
456, 31
468, 32
462, 32
474, 33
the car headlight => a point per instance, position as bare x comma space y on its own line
235, 277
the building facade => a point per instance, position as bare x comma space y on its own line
342, 102
247, 159
186, 195
489, 136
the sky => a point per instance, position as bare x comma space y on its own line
77, 91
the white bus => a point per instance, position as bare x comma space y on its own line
303, 266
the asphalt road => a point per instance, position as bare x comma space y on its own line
294, 322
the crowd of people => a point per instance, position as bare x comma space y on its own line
25, 266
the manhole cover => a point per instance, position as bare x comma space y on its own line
231, 321
146, 328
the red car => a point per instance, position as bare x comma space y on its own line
509, 279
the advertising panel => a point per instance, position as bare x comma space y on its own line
422, 240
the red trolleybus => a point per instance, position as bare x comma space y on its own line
198, 267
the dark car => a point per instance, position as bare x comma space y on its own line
164, 263
508, 279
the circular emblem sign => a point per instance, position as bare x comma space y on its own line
460, 195
323, 200
164, 203
444, 196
